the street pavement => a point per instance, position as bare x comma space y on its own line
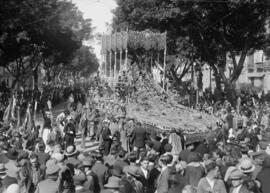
89, 144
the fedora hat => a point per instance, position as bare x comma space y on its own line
52, 168
114, 182
71, 150
246, 166
228, 172
133, 171
236, 175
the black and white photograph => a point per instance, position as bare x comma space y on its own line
134, 96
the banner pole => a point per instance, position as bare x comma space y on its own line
110, 65
165, 51
115, 63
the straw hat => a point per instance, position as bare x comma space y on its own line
236, 175
133, 171
246, 166
52, 168
114, 182
71, 150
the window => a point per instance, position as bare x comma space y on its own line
259, 70
250, 70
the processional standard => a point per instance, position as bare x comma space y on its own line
119, 43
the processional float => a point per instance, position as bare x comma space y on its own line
118, 44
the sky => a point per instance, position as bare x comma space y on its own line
100, 11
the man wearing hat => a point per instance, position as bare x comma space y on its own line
112, 186
105, 138
237, 180
60, 120
210, 183
247, 167
72, 153
50, 184
70, 133
100, 170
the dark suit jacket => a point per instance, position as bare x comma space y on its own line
138, 137
102, 173
163, 181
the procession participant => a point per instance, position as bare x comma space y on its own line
70, 132
83, 128
42, 156
46, 128
125, 134
105, 137
60, 120
237, 182
175, 141
54, 137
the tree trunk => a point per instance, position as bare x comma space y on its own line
217, 78
231, 93
35, 76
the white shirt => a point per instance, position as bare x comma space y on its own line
211, 182
145, 172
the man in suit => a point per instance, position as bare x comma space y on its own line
163, 179
138, 137
237, 179
101, 171
144, 173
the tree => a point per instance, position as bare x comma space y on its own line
84, 62
158, 16
225, 28
212, 29
43, 32
46, 32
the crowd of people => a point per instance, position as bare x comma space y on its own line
57, 156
